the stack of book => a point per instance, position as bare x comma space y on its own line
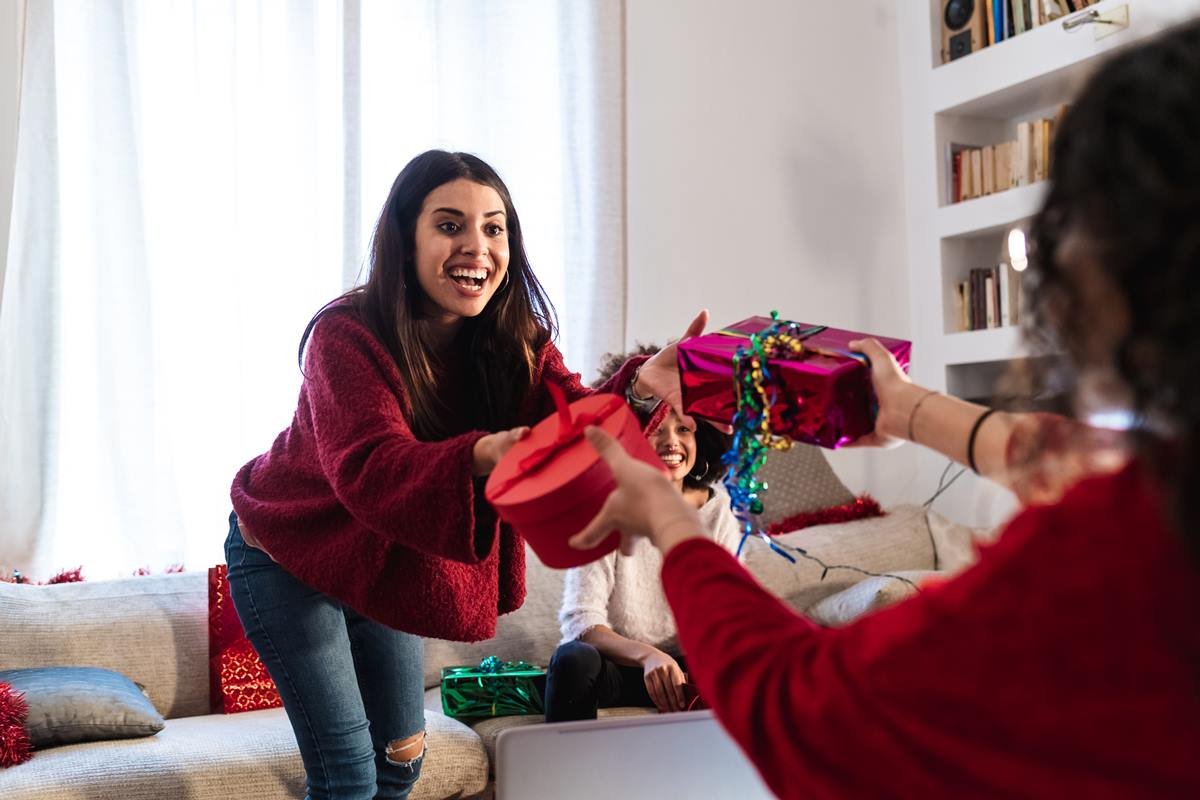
1008, 18
989, 298
978, 171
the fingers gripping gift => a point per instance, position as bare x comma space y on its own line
552, 483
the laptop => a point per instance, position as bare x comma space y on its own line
685, 754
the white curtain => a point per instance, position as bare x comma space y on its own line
195, 179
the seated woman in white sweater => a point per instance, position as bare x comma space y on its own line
619, 646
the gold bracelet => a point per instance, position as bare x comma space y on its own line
913, 414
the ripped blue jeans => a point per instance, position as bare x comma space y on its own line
349, 684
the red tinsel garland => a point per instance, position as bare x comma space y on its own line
67, 576
863, 507
15, 747
76, 575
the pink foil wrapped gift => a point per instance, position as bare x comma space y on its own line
826, 396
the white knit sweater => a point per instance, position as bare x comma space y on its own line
625, 592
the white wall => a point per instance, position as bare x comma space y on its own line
10, 41
764, 172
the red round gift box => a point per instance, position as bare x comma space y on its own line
552, 483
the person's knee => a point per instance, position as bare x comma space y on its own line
574, 665
574, 658
403, 752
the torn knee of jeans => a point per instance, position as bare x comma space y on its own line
403, 752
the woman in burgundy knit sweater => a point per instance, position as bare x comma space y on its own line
1066, 663
364, 527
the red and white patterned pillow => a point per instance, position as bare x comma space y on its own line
237, 679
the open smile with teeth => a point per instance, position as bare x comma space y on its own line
672, 458
471, 279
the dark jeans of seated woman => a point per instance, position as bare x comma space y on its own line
580, 680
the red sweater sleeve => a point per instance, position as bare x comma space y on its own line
378, 470
556, 371
1017, 678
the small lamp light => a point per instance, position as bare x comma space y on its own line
1017, 255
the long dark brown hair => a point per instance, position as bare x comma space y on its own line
1126, 176
496, 351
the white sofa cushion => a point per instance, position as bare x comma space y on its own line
215, 757
866, 596
897, 541
152, 629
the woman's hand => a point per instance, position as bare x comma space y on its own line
659, 377
491, 448
897, 395
645, 503
664, 681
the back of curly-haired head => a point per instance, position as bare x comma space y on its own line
1125, 175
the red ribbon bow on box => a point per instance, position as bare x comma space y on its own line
570, 430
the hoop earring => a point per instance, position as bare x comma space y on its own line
505, 282
700, 473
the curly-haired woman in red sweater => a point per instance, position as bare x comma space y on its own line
364, 527
1066, 663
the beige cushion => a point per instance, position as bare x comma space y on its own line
217, 757
530, 633
866, 596
898, 541
800, 480
488, 729
152, 629
957, 545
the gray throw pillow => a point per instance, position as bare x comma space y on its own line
82, 704
799, 480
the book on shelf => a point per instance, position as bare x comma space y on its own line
1019, 25
1004, 19
989, 169
977, 170
989, 298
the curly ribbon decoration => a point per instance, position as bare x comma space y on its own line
569, 431
756, 390
493, 665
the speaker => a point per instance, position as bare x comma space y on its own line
964, 27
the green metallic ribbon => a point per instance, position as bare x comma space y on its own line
494, 688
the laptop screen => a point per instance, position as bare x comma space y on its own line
684, 754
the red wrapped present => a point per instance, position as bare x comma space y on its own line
826, 397
237, 679
552, 483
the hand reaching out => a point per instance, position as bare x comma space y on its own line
660, 375
894, 391
491, 448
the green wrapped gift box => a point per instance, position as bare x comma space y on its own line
493, 688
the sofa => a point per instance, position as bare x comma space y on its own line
153, 629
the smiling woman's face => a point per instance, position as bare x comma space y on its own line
675, 443
461, 249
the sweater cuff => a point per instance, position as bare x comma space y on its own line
578, 624
620, 381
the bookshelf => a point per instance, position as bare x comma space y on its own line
978, 100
